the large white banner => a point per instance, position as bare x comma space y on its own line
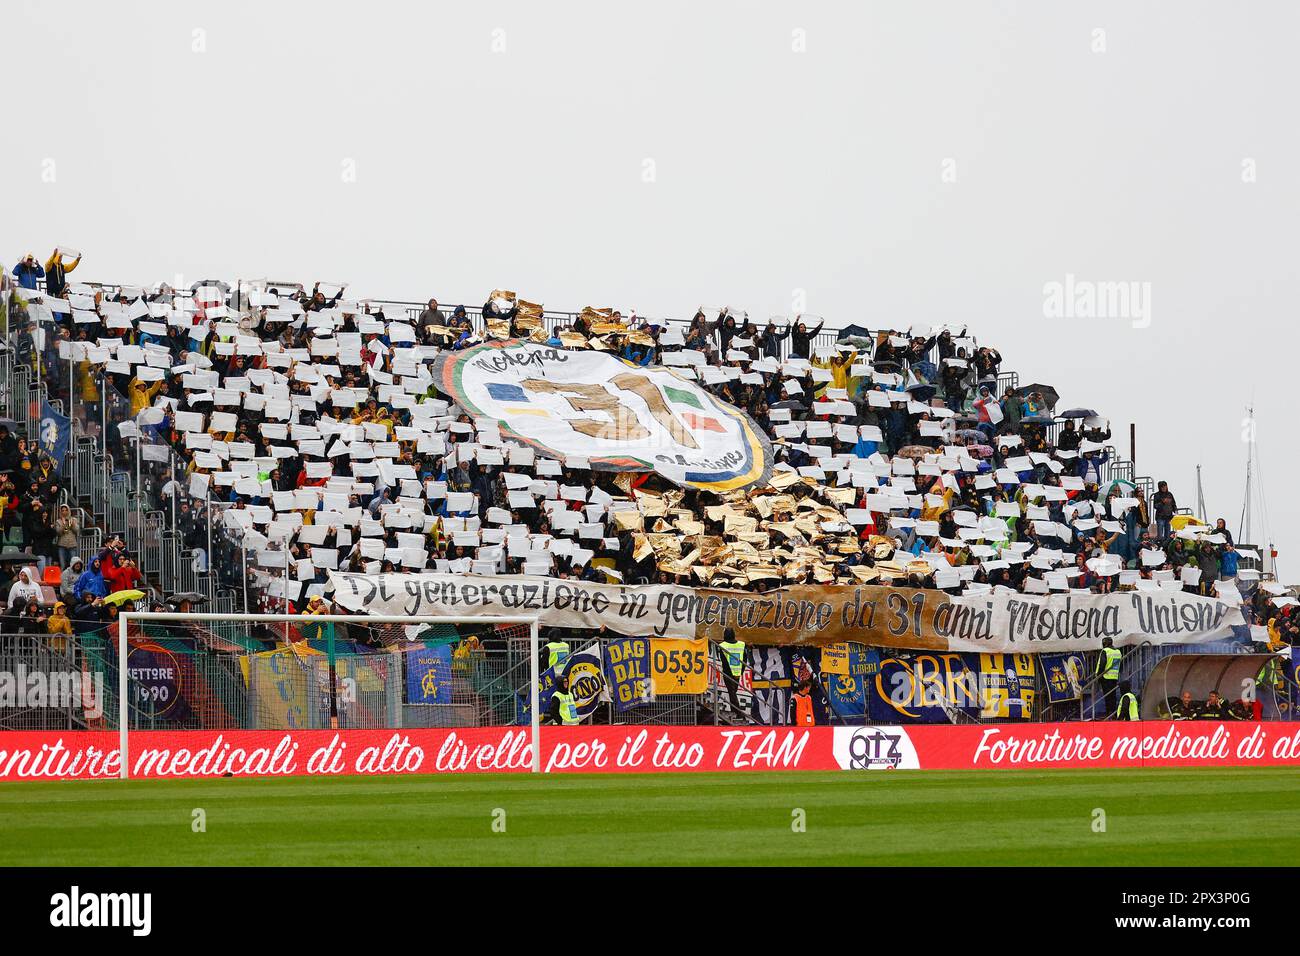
616, 415
1001, 622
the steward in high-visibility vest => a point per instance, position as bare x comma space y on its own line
733, 654
568, 708
564, 707
733, 666
803, 707
557, 652
1109, 661
1128, 704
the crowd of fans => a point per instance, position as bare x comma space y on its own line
306, 426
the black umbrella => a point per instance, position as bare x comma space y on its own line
922, 391
1050, 395
194, 597
11, 556
1078, 413
854, 331
791, 403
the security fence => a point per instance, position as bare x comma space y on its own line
230, 674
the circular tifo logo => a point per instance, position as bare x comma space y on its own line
874, 748
617, 415
586, 682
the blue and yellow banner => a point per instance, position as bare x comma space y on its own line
428, 675
627, 672
1063, 676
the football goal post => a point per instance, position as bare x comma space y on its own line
208, 671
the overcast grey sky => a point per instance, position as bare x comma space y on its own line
884, 163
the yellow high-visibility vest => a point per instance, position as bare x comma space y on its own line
1128, 707
734, 653
568, 709
1109, 664
558, 651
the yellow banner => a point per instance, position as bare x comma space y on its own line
679, 667
835, 658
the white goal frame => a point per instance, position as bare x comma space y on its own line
124, 619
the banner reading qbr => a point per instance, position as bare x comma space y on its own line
194, 754
619, 416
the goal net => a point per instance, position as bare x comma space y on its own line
268, 672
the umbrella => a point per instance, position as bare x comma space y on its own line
922, 391
971, 433
982, 451
194, 597
119, 597
1078, 413
7, 556
1050, 395
855, 332
914, 451
791, 403
1123, 483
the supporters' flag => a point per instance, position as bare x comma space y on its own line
1007, 685
924, 688
586, 681
1062, 676
428, 675
847, 696
770, 675
160, 687
627, 671
54, 433
846, 693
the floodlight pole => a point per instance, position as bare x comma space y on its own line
127, 616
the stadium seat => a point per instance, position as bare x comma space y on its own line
53, 575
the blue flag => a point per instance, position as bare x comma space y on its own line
847, 694
428, 675
54, 433
1063, 675
627, 672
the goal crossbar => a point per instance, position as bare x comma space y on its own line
126, 617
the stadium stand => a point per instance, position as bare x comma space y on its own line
234, 442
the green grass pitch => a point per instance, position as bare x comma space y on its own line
1223, 818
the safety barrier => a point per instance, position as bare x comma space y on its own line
119, 503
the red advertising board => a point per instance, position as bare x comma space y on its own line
51, 755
